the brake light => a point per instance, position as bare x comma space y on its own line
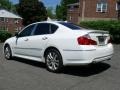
83, 40
110, 40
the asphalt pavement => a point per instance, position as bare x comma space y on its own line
21, 74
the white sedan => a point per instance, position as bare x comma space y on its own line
59, 44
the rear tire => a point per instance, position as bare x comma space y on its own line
53, 61
7, 52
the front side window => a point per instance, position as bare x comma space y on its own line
101, 7
42, 28
27, 31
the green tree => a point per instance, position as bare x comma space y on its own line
32, 11
61, 10
6, 4
50, 12
58, 12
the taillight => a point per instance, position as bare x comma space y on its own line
83, 40
110, 40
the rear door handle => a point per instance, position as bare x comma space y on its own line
26, 39
44, 38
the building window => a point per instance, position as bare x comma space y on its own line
2, 19
101, 7
118, 6
71, 8
3, 28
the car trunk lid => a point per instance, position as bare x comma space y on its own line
101, 37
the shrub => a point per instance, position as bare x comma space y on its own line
4, 35
112, 26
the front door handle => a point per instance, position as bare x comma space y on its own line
26, 39
44, 38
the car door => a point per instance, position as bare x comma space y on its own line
39, 39
23, 44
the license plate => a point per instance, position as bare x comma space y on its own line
101, 39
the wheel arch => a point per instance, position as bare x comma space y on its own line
51, 47
6, 44
59, 68
10, 52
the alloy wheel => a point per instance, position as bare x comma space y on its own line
7, 52
54, 61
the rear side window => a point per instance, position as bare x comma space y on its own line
70, 25
42, 29
53, 28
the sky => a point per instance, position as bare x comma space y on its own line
47, 3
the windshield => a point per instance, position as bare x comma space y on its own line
70, 25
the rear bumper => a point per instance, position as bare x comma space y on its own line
84, 57
99, 59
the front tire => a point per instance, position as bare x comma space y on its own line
53, 61
7, 52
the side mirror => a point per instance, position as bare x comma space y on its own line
16, 34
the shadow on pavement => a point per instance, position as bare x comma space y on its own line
83, 71
30, 62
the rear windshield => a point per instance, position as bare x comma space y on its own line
70, 25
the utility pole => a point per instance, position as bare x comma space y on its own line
83, 10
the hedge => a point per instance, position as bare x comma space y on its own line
112, 26
4, 35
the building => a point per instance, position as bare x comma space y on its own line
92, 10
10, 22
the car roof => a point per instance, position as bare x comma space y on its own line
57, 22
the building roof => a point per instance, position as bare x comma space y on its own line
74, 4
7, 14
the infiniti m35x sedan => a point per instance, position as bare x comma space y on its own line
58, 44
